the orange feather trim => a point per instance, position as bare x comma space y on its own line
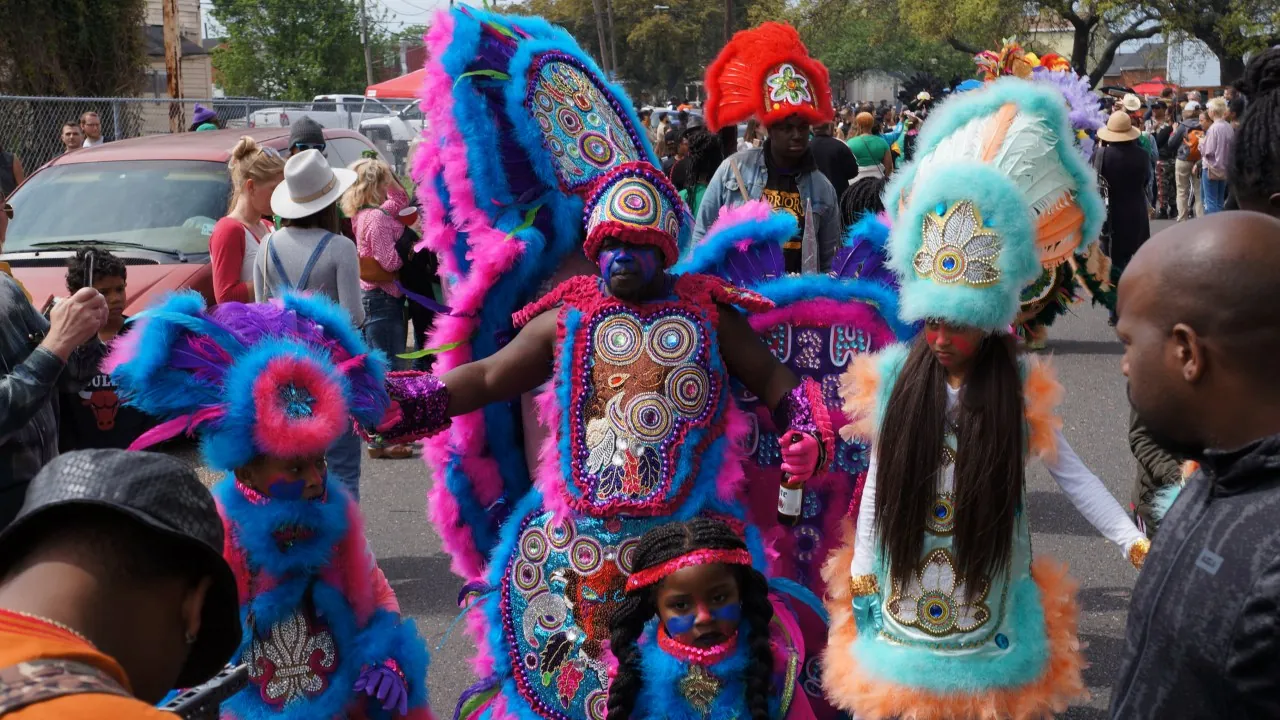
1062, 682
1042, 394
859, 391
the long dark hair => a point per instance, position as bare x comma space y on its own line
657, 546
989, 460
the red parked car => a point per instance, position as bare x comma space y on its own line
151, 201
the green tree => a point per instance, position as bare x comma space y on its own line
1100, 27
1232, 29
290, 50
86, 47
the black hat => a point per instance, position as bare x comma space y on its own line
163, 495
305, 130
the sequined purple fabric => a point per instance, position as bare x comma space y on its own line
419, 402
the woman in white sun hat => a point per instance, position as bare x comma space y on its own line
310, 254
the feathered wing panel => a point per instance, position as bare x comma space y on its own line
520, 122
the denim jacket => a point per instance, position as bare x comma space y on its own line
31, 376
814, 186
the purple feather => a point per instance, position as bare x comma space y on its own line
202, 357
760, 262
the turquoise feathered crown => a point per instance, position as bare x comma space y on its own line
997, 189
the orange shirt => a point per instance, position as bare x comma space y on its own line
23, 638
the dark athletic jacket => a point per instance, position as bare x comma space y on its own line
1204, 625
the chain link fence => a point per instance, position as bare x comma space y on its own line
32, 127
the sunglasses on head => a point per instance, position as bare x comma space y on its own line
300, 147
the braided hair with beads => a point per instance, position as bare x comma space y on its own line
1255, 160
667, 542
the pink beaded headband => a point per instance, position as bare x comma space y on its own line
650, 576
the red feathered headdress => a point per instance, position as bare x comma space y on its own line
766, 72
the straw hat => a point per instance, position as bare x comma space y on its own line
309, 186
1119, 128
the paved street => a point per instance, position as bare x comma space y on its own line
1095, 414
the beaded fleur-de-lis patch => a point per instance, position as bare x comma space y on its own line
957, 247
700, 688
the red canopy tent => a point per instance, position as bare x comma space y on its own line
405, 87
1154, 86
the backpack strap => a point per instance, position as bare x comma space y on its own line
36, 681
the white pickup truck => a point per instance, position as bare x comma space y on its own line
344, 112
392, 134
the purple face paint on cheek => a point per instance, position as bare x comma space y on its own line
637, 259
283, 489
681, 624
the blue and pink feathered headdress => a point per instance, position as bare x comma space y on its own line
283, 378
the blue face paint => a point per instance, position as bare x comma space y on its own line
681, 624
283, 489
640, 260
729, 613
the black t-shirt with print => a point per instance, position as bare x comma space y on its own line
782, 191
95, 418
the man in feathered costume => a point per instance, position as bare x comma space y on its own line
767, 73
634, 363
1063, 271
270, 387
945, 613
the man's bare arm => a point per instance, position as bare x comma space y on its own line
749, 360
521, 366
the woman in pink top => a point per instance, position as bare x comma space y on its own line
255, 173
374, 203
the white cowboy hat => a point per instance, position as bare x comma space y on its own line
309, 186
1131, 102
1119, 128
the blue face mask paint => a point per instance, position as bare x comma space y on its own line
681, 624
283, 489
728, 613
641, 260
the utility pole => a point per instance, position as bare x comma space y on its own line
604, 47
364, 40
613, 41
173, 64
728, 21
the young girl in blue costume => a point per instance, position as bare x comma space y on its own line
697, 636
271, 386
946, 611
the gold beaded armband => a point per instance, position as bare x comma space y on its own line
1138, 552
860, 585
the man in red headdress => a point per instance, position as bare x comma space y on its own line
766, 73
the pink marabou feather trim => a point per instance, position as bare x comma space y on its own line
826, 313
442, 510
478, 629
753, 211
124, 348
731, 478
282, 436
550, 482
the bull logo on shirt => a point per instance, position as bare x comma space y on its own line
100, 397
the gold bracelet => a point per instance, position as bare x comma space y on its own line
1138, 552
864, 585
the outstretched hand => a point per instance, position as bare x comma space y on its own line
385, 685
800, 455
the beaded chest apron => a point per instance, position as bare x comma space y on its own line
645, 396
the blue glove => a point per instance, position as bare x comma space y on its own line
867, 613
384, 684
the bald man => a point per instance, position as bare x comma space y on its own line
1199, 315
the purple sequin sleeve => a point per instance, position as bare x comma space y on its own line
419, 406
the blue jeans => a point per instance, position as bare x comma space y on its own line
385, 326
344, 462
1214, 193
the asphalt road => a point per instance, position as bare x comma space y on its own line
1095, 413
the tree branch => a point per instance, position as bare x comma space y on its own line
1133, 32
963, 46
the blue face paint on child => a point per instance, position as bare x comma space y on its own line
678, 625
638, 261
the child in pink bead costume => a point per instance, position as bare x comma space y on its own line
271, 386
